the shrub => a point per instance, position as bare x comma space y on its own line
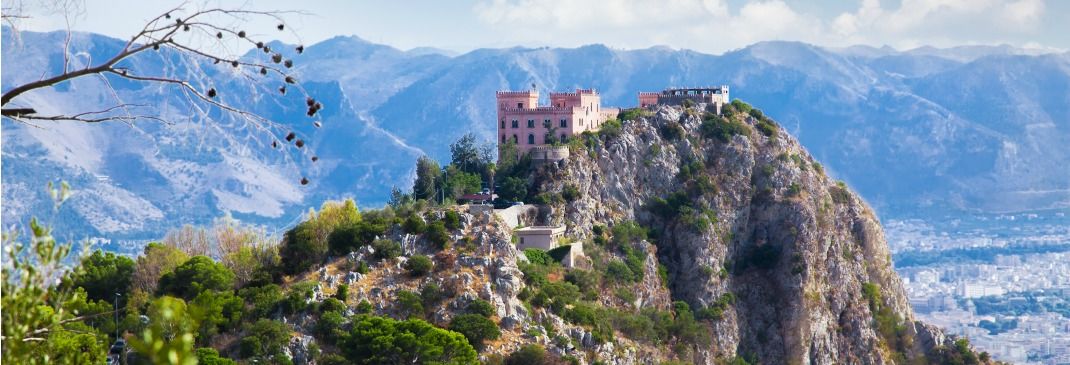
556, 296
529, 355
364, 307
619, 272
332, 305
475, 328
721, 128
756, 113
481, 307
631, 114
431, 294
452, 220
794, 189
559, 253
409, 304
513, 189
196, 275
263, 300
418, 265
265, 339
611, 129
298, 297
570, 193
437, 234
671, 131
716, 310
381, 340
209, 356
386, 249
329, 327
537, 256
767, 127
414, 224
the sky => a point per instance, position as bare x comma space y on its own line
710, 26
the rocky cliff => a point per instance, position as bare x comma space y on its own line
742, 230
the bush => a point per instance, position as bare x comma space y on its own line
332, 305
263, 300
570, 193
628, 232
721, 128
619, 272
671, 131
475, 328
767, 127
513, 189
329, 327
481, 307
386, 249
410, 304
756, 113
196, 275
414, 224
298, 297
631, 114
437, 234
342, 293
381, 340
418, 265
611, 129
364, 307
452, 220
529, 355
209, 356
557, 254
265, 339
538, 257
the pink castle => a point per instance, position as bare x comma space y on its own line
522, 121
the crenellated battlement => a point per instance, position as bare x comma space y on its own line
518, 93
531, 126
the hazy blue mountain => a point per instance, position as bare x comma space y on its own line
975, 128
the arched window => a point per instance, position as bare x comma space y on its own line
503, 123
515, 140
503, 138
515, 124
564, 123
564, 138
531, 139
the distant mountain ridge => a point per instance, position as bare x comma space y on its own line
977, 128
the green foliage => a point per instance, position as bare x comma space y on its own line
381, 340
627, 232
538, 256
570, 193
671, 131
342, 293
556, 296
716, 310
418, 265
475, 328
741, 106
409, 304
632, 114
364, 307
840, 193
428, 174
794, 190
559, 253
386, 249
298, 298
438, 234
329, 326
198, 274
307, 243
889, 325
470, 157
169, 338
265, 341
723, 129
611, 129
762, 257
216, 312
331, 305
102, 275
767, 126
209, 356
459, 183
262, 300
352, 236
414, 224
481, 307
513, 189
452, 220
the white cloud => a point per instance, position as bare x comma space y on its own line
711, 25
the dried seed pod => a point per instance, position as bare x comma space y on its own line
288, 63
267, 49
310, 101
263, 71
156, 47
291, 136
317, 124
304, 181
274, 144
211, 92
215, 61
282, 90
300, 49
185, 28
259, 45
241, 34
219, 35
314, 158
290, 80
178, 20
167, 15
299, 143
234, 63
281, 27
276, 58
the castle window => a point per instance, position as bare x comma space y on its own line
531, 123
515, 124
515, 140
531, 139
520, 105
546, 123
564, 123
503, 123
564, 138
581, 122
503, 138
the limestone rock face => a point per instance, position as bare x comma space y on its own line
762, 222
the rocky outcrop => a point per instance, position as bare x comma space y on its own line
751, 214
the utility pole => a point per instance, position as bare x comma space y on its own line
115, 306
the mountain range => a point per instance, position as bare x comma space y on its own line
960, 129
